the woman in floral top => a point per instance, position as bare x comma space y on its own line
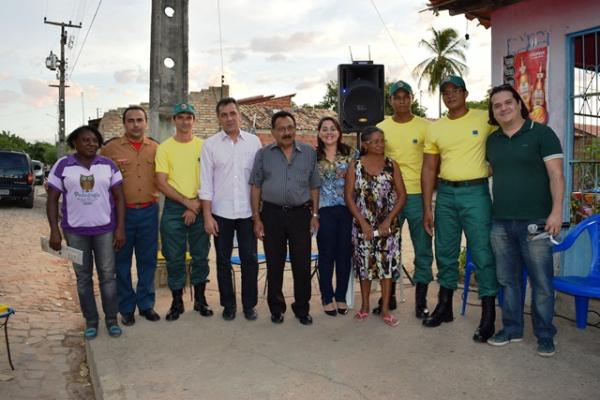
375, 195
333, 238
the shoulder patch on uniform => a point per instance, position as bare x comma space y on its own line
415, 141
475, 132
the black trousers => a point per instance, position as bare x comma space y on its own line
247, 251
283, 227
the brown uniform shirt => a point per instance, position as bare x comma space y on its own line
137, 168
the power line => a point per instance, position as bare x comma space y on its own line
85, 38
389, 34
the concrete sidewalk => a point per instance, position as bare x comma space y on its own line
335, 358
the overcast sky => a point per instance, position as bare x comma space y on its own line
269, 47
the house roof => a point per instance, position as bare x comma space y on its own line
259, 116
472, 9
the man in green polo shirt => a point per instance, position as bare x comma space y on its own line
456, 144
405, 135
527, 163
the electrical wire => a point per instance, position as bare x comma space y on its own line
85, 38
220, 40
389, 34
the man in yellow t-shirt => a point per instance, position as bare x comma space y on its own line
405, 136
456, 144
181, 224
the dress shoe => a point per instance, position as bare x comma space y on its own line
150, 314
127, 319
305, 319
228, 314
250, 314
342, 311
277, 318
331, 313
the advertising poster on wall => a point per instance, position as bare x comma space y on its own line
530, 71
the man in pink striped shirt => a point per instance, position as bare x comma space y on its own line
225, 167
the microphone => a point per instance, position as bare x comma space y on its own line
538, 228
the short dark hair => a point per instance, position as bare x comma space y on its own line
85, 128
342, 148
506, 88
224, 101
366, 134
281, 114
131, 108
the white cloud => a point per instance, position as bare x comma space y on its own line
37, 93
282, 43
277, 57
9, 96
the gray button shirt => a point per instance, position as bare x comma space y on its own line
286, 183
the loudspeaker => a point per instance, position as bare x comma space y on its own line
361, 95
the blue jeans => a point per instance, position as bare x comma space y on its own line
335, 247
244, 230
98, 249
141, 232
512, 252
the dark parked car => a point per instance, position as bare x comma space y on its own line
16, 177
38, 171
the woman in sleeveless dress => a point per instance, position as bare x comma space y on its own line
375, 195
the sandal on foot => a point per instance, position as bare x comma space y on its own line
90, 333
361, 316
114, 331
390, 320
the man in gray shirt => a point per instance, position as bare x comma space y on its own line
286, 180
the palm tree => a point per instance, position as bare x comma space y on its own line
447, 58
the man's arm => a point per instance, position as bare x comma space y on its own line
206, 191
314, 221
557, 189
163, 185
431, 164
119, 234
259, 229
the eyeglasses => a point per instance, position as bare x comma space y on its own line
448, 92
375, 141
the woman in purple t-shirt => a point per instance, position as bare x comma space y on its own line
93, 213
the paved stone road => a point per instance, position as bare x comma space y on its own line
46, 331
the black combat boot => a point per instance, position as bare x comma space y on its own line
200, 303
393, 302
176, 306
486, 327
443, 310
421, 310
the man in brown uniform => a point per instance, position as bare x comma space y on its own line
134, 154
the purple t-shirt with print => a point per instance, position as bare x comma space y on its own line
88, 205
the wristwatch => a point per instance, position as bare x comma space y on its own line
315, 215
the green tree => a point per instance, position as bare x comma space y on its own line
10, 141
447, 58
480, 104
330, 100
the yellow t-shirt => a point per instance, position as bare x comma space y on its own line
404, 143
461, 145
181, 162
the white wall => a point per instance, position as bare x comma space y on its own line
524, 24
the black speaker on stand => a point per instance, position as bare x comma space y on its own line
361, 95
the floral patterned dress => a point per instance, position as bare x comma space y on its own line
375, 198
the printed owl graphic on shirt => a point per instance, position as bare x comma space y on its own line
86, 182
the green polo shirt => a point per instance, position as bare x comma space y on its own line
521, 186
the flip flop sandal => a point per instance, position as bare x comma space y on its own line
114, 331
390, 320
361, 316
90, 333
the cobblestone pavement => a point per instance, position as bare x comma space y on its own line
46, 332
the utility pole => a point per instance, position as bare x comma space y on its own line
51, 63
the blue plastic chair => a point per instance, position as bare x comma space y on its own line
470, 268
6, 315
582, 287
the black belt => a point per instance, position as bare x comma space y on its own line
470, 182
285, 208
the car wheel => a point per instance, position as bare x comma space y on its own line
28, 201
